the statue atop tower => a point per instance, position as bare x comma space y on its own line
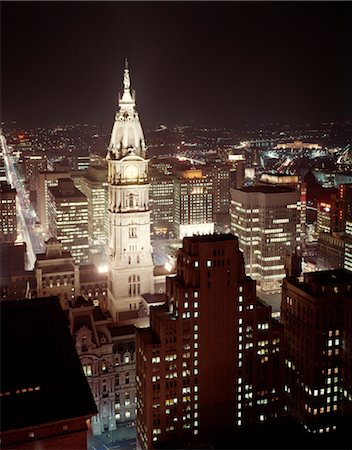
127, 136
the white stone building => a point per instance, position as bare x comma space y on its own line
129, 246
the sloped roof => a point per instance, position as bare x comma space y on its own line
38, 352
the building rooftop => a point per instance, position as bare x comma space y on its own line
73, 192
121, 330
41, 375
6, 188
153, 299
211, 238
267, 189
329, 277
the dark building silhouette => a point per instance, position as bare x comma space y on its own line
45, 398
317, 317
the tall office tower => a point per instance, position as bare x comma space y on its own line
330, 251
193, 204
348, 246
162, 204
266, 221
129, 248
210, 361
33, 164
293, 182
316, 314
220, 176
8, 217
68, 218
44, 182
341, 207
94, 186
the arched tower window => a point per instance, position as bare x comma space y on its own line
134, 285
130, 200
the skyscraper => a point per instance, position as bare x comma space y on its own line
129, 247
68, 218
94, 186
316, 314
210, 361
193, 204
266, 221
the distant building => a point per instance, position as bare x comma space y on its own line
193, 201
210, 361
13, 276
297, 145
8, 217
317, 316
341, 207
330, 251
44, 182
220, 176
45, 398
94, 185
33, 165
57, 273
293, 181
68, 218
162, 204
324, 217
348, 246
266, 220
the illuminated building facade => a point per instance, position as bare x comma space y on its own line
193, 200
324, 217
68, 218
162, 204
46, 180
316, 314
294, 182
8, 217
210, 361
129, 248
94, 186
56, 273
266, 220
107, 354
348, 246
221, 179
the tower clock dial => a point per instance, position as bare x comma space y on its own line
131, 172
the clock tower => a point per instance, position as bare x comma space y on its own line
129, 247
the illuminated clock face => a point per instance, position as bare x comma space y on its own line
131, 172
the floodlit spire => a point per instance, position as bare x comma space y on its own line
127, 134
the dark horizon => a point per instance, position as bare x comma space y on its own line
221, 63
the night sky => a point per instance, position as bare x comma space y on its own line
218, 63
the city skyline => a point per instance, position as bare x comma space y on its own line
225, 63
